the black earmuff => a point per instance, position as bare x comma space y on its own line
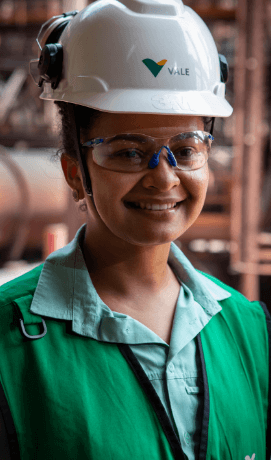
224, 68
51, 57
50, 64
224, 77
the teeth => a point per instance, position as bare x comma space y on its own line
156, 207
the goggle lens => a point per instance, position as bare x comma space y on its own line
133, 152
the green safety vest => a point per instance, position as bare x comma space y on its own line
65, 396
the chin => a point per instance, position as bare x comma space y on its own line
151, 239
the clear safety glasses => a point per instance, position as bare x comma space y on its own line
135, 152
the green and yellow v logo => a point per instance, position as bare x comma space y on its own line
154, 67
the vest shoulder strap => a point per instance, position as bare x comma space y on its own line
237, 297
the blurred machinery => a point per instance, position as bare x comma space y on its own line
232, 237
250, 245
33, 194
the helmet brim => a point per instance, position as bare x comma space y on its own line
197, 103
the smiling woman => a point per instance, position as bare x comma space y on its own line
139, 356
86, 117
113, 190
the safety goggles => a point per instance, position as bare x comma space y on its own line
136, 152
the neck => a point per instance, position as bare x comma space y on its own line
123, 267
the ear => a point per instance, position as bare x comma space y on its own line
70, 169
64, 165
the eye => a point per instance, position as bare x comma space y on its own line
130, 153
186, 152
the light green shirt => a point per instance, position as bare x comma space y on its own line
65, 291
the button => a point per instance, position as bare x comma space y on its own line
127, 330
171, 367
187, 438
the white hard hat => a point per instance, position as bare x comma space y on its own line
139, 56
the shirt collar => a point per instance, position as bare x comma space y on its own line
65, 290
204, 290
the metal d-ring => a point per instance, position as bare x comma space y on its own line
33, 336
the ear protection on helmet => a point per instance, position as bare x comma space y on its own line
224, 77
50, 64
49, 68
224, 68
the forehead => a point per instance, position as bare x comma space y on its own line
109, 124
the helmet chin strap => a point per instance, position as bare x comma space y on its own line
81, 158
212, 125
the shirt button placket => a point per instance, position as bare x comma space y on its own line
187, 438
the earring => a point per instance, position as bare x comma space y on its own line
75, 195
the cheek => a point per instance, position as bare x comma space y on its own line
197, 182
109, 188
203, 178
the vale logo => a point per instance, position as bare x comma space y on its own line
154, 67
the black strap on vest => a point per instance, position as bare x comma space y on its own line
268, 431
9, 445
155, 401
206, 405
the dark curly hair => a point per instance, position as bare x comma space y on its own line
86, 117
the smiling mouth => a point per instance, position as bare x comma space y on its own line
131, 205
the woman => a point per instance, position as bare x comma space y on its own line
139, 356
126, 245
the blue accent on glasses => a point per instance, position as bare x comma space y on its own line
154, 161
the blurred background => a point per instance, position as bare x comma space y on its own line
231, 239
